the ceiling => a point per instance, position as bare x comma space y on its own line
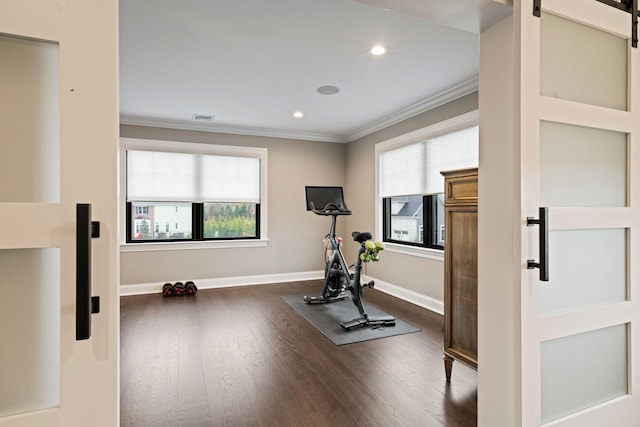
251, 63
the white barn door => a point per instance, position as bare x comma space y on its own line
580, 159
58, 149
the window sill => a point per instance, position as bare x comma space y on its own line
178, 246
435, 254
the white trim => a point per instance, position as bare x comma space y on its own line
419, 252
195, 245
421, 300
190, 147
420, 107
427, 104
410, 296
198, 148
234, 130
446, 126
223, 282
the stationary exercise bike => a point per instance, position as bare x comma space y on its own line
329, 201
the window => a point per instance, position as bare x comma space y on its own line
406, 218
223, 220
411, 187
142, 210
192, 196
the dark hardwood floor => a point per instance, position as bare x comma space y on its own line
242, 357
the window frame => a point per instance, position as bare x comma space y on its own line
197, 225
429, 218
130, 245
441, 128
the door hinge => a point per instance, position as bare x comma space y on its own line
537, 8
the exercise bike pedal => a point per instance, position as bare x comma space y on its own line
370, 285
355, 323
382, 321
373, 321
322, 300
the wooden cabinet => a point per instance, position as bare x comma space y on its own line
461, 269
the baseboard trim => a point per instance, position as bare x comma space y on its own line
413, 297
408, 295
224, 282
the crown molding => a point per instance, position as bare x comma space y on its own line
427, 104
236, 130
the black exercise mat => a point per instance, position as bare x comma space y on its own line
327, 317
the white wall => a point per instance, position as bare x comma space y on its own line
498, 232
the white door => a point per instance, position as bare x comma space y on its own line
58, 148
580, 141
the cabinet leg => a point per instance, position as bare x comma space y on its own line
448, 366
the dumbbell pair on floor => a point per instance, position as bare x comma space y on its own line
179, 289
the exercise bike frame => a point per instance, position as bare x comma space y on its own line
338, 278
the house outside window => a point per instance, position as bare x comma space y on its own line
406, 218
142, 210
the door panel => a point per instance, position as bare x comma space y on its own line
579, 132
30, 359
582, 166
30, 164
59, 131
597, 71
586, 268
30, 270
583, 370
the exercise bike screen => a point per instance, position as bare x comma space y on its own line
322, 196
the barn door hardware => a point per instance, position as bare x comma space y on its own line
543, 244
86, 304
629, 6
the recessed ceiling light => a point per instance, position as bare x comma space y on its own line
298, 114
378, 50
328, 90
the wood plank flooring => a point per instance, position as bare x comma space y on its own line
242, 357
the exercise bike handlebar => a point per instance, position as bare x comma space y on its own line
330, 209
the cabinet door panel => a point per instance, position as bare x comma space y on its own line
464, 281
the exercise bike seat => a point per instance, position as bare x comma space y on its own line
361, 237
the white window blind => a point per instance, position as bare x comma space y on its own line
230, 179
415, 168
165, 176
402, 170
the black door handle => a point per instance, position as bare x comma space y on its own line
85, 303
543, 232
